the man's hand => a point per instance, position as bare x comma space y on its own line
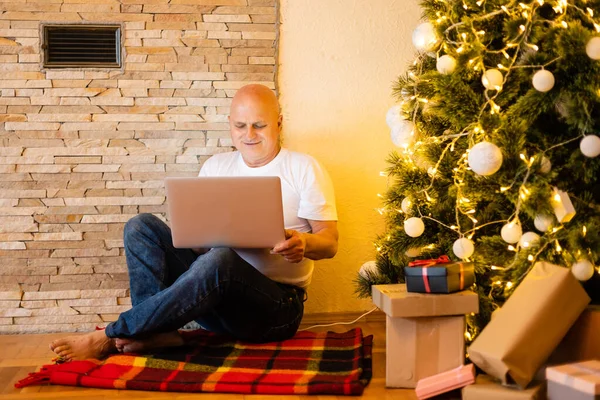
292, 248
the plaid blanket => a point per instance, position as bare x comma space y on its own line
308, 363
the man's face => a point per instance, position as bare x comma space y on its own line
255, 127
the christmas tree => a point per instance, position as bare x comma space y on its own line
497, 149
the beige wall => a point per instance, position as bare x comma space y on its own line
82, 151
337, 60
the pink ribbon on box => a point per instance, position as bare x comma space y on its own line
426, 281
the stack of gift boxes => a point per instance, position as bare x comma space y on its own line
517, 352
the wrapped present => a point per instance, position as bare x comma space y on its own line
425, 332
445, 382
579, 381
439, 275
487, 388
581, 342
396, 301
532, 322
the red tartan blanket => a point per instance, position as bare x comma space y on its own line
308, 363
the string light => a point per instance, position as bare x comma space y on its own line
472, 42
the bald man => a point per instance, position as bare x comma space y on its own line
252, 295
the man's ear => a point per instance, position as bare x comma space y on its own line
280, 121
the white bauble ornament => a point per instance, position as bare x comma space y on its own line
511, 232
485, 158
424, 37
463, 248
492, 79
545, 165
403, 134
406, 205
592, 48
543, 222
413, 252
370, 267
543, 80
529, 239
590, 146
446, 64
393, 116
583, 270
414, 227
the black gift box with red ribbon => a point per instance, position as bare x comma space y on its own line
439, 275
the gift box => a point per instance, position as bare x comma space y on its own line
425, 332
439, 276
579, 381
524, 332
445, 382
581, 342
487, 388
396, 301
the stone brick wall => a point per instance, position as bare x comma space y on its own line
84, 150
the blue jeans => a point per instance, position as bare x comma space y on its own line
171, 287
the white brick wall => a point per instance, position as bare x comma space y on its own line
85, 150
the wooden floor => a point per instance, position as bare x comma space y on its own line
21, 354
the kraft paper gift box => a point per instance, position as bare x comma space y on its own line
439, 276
579, 381
524, 332
487, 388
445, 382
582, 341
425, 332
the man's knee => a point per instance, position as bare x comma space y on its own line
140, 223
218, 262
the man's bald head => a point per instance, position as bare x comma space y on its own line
255, 124
258, 95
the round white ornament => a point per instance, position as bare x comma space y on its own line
590, 146
413, 252
370, 267
543, 222
424, 36
492, 79
511, 232
545, 165
583, 270
592, 48
393, 116
485, 158
414, 227
446, 64
529, 239
403, 134
463, 248
543, 80
406, 205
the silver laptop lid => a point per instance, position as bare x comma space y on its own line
237, 212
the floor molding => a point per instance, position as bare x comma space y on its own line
346, 316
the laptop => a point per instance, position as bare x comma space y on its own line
236, 212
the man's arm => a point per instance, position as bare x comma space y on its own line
321, 243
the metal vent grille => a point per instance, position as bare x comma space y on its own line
82, 46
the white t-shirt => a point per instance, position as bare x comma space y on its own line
307, 193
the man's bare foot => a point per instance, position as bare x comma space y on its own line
169, 339
91, 345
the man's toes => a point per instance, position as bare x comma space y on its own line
62, 348
56, 343
65, 354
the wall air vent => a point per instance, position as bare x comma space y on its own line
82, 46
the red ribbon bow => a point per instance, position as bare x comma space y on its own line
428, 263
